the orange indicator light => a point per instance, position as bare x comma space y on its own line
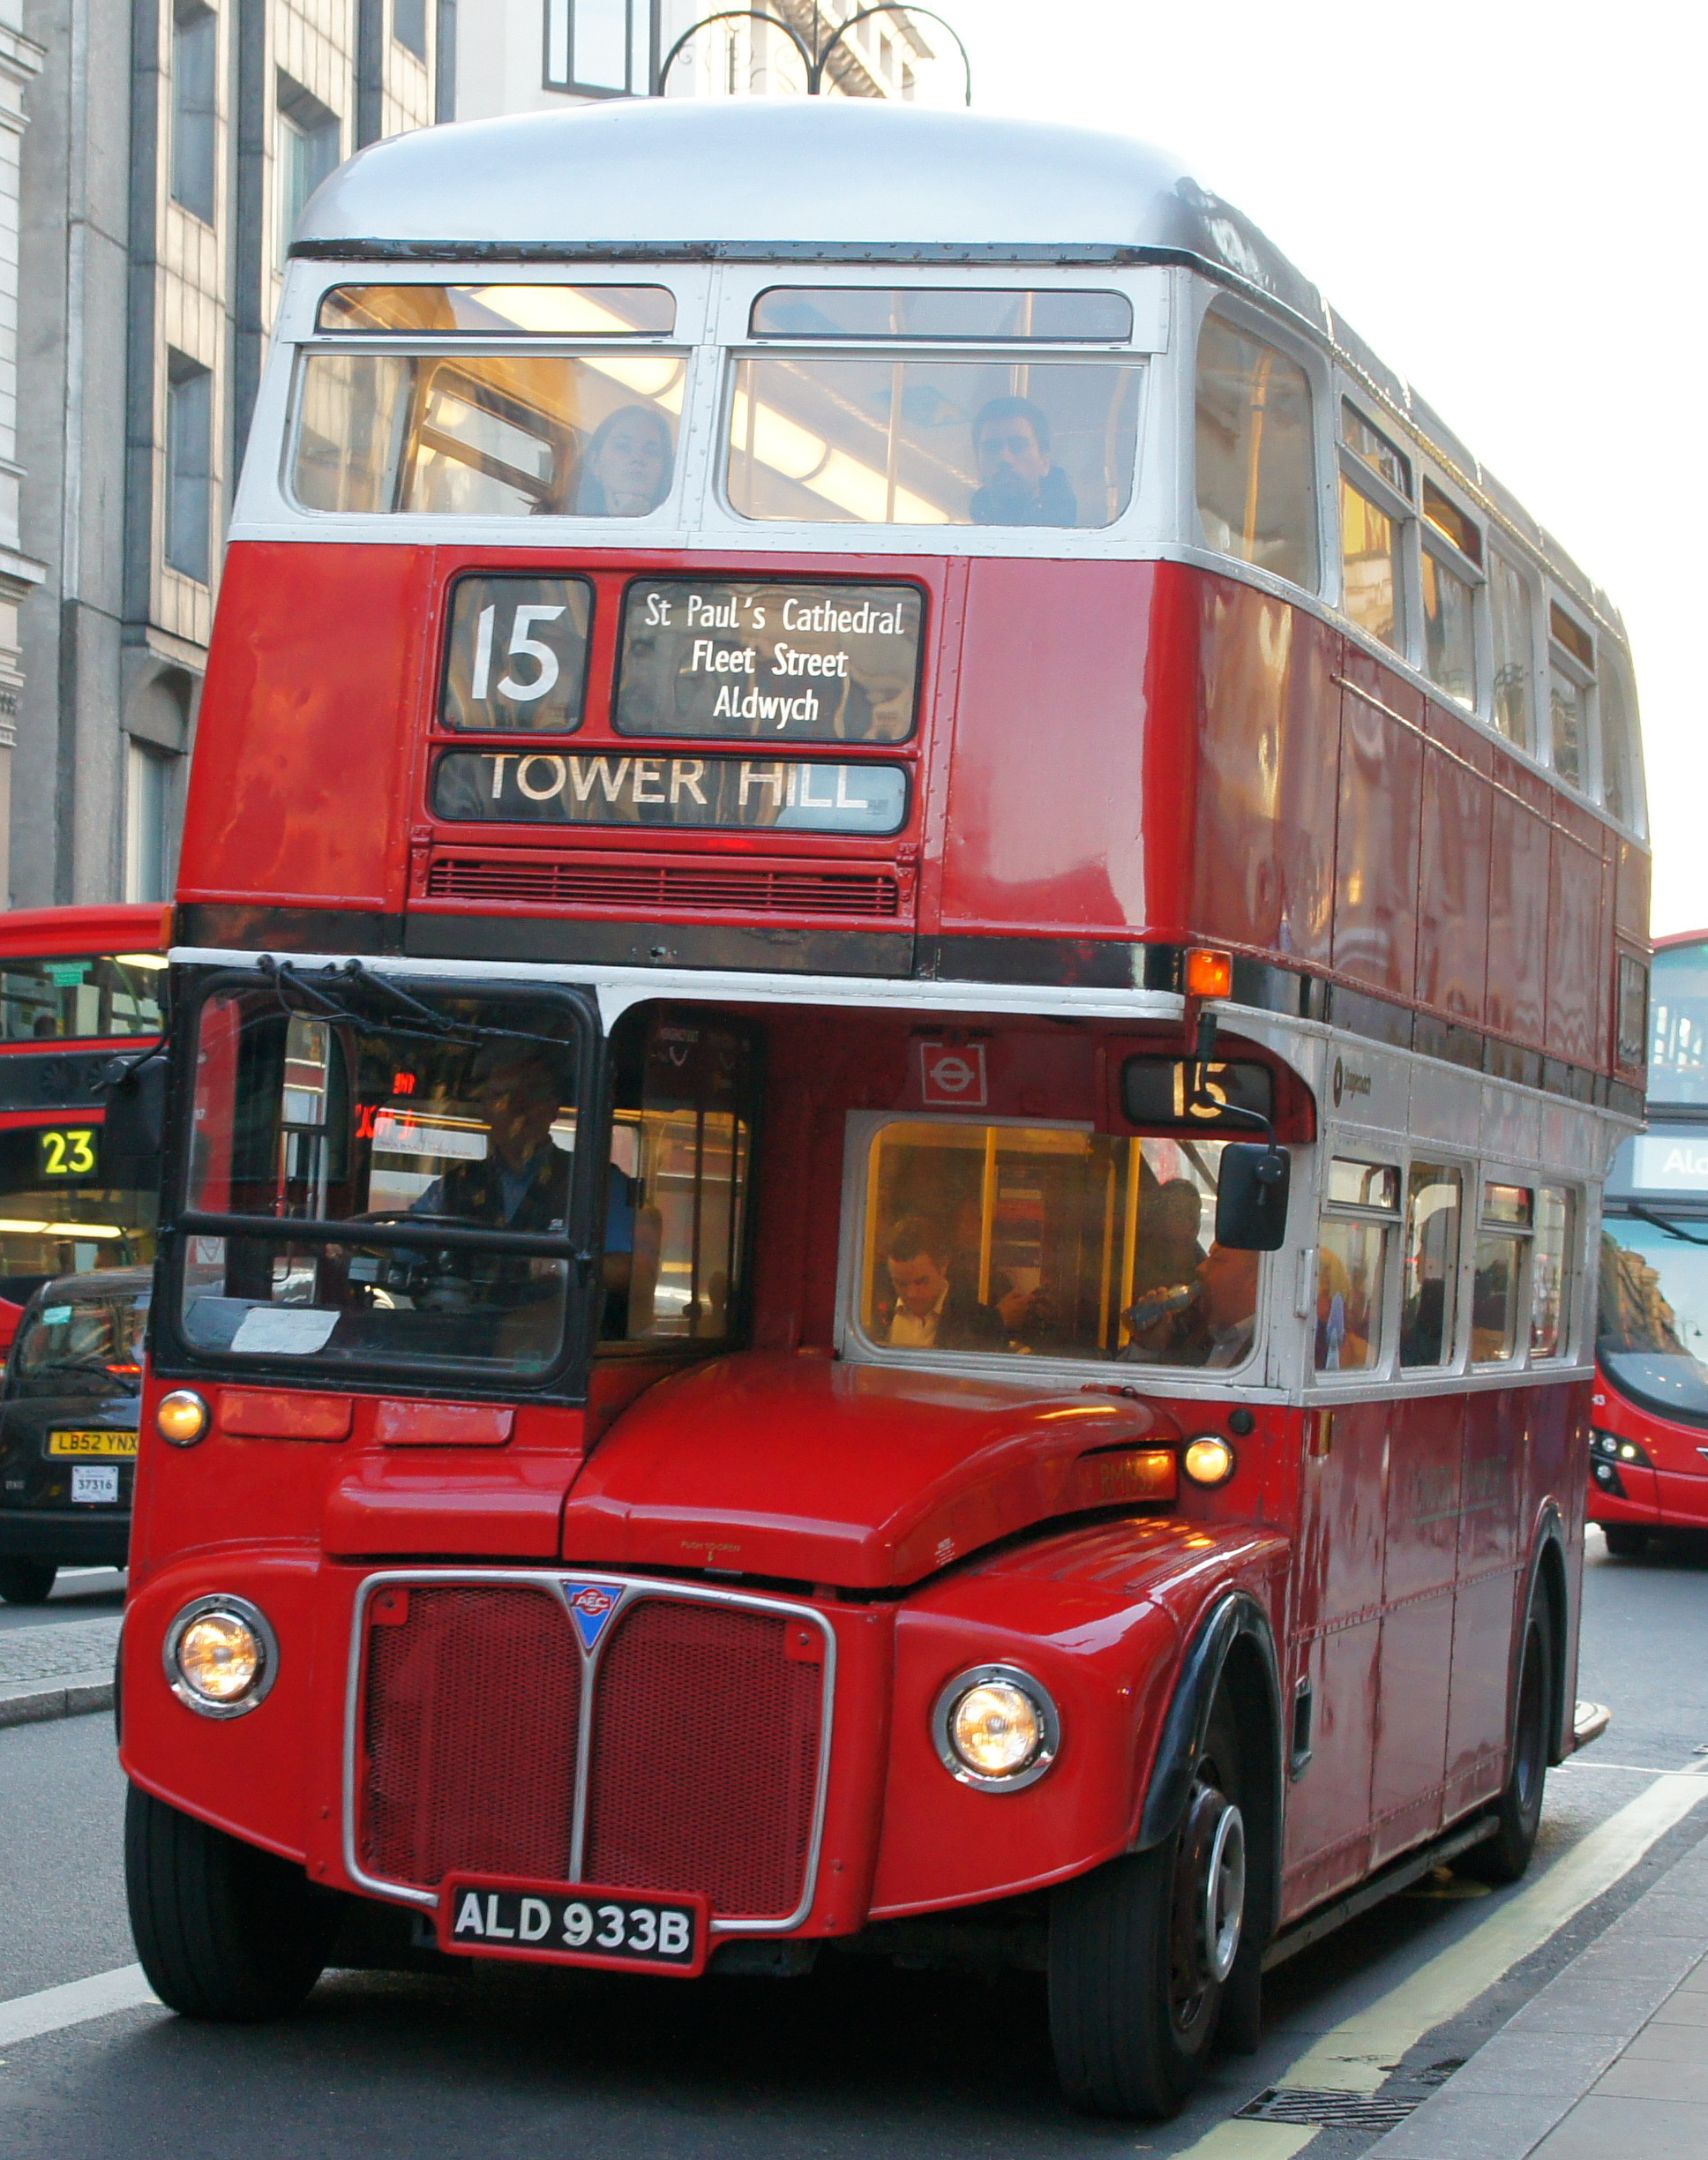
1208, 973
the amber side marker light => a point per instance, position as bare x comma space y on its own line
1208, 1461
182, 1417
1208, 973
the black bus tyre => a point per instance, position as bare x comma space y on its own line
1625, 1540
1141, 1947
224, 1930
1505, 1853
27, 1582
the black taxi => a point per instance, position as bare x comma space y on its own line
68, 1429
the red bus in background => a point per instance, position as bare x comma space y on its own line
77, 986
911, 933
1649, 1467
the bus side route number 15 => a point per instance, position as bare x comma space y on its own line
66, 1152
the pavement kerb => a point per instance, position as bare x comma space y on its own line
74, 1696
1528, 2076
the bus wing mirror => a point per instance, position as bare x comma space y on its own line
1251, 1197
135, 1126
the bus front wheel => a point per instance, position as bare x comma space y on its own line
1141, 1950
224, 1932
26, 1582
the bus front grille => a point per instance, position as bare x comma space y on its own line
703, 1769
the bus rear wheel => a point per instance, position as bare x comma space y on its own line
1141, 1951
224, 1930
26, 1582
1505, 1853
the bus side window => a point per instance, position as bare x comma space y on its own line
1360, 1211
1256, 463
676, 1204
1550, 1272
1508, 1218
1433, 1202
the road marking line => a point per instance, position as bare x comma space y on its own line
26, 2017
1253, 2140
1358, 2054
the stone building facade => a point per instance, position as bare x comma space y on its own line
531, 55
20, 62
171, 144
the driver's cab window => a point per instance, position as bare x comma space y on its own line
1050, 1241
677, 1187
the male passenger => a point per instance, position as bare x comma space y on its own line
1019, 483
929, 1312
1214, 1329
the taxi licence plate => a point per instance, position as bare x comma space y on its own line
94, 1484
573, 1924
86, 1443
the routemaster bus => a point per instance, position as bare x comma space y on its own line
911, 930
78, 986
1649, 1442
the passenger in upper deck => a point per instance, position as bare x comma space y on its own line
625, 471
1020, 486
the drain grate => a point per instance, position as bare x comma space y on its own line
1303, 2104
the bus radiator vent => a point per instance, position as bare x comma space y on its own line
467, 1685
593, 882
705, 1758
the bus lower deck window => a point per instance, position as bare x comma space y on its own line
1058, 1242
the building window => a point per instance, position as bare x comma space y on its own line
188, 465
147, 822
308, 148
598, 48
410, 25
195, 54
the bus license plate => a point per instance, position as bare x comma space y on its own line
93, 1483
577, 1926
123, 1444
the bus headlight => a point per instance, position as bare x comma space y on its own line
996, 1728
220, 1656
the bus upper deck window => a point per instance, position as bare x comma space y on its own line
1375, 512
486, 434
499, 311
1452, 571
874, 440
1618, 791
1055, 315
1257, 477
1513, 610
1571, 675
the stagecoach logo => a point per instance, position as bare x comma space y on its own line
590, 1605
1348, 1082
952, 1075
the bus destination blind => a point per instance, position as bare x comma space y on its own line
768, 662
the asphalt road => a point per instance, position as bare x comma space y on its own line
858, 2060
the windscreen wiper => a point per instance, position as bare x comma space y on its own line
1660, 1222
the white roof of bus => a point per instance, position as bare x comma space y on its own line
821, 180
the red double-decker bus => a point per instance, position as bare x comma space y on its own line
78, 986
1647, 1470
910, 932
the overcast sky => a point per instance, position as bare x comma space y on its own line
1506, 200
